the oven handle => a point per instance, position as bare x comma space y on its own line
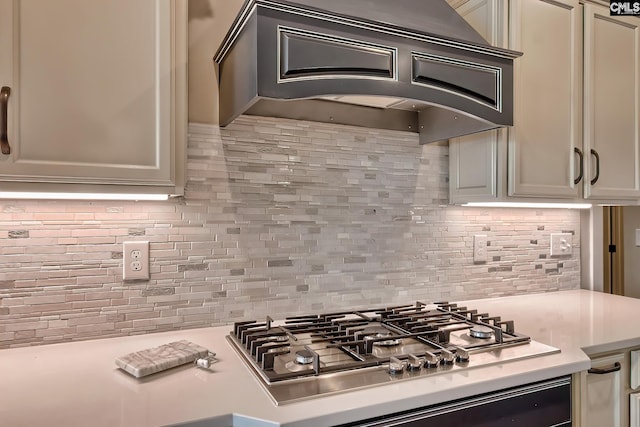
601, 371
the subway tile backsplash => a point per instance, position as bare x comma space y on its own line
280, 217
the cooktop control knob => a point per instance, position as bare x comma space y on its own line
396, 366
414, 363
431, 360
447, 357
462, 355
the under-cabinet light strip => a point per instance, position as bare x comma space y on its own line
529, 205
80, 196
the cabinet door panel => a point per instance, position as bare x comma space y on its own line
92, 86
612, 103
603, 405
634, 409
547, 97
473, 167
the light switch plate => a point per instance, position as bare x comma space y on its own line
561, 244
637, 236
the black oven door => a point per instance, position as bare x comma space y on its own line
546, 403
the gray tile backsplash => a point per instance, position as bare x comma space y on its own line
280, 217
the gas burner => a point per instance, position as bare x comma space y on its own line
304, 357
292, 366
375, 333
302, 362
480, 331
280, 338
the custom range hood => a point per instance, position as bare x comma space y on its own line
411, 65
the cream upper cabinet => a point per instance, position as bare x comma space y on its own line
97, 95
533, 158
612, 104
563, 122
473, 167
547, 114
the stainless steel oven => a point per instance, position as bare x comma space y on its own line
542, 404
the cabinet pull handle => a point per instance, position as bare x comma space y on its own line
579, 153
4, 101
595, 154
600, 371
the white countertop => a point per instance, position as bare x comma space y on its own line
78, 384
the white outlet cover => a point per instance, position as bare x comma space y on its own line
480, 248
135, 260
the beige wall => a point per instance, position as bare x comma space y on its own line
209, 21
631, 220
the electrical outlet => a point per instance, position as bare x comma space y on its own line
135, 262
480, 248
561, 244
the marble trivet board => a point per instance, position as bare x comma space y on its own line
152, 360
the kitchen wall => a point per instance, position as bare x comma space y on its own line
209, 21
279, 217
631, 250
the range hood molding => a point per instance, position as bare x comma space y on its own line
298, 59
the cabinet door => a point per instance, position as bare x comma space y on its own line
547, 115
473, 159
96, 88
603, 405
473, 168
612, 104
634, 409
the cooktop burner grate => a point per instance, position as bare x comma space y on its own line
401, 341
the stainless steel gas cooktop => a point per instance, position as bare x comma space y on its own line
310, 356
